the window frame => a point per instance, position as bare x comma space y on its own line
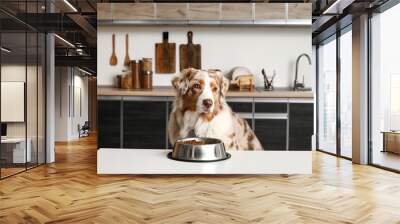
334, 37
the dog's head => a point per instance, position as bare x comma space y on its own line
201, 91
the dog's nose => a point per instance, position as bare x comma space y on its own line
207, 103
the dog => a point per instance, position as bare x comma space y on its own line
200, 109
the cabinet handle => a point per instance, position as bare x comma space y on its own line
144, 98
245, 115
276, 116
239, 100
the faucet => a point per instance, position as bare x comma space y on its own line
300, 85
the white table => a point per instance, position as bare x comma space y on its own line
150, 161
18, 149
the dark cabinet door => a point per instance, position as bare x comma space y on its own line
169, 145
270, 107
241, 107
271, 133
244, 110
250, 122
109, 123
144, 124
301, 126
270, 125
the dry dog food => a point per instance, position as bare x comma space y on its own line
193, 142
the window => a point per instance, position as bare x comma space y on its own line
346, 94
22, 76
385, 89
334, 138
327, 97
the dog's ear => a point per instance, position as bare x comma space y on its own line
223, 82
181, 82
175, 82
225, 85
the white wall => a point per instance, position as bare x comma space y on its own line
62, 81
33, 126
67, 81
13, 101
222, 48
79, 118
15, 73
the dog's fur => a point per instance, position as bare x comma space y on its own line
191, 116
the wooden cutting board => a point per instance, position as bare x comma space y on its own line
190, 54
165, 56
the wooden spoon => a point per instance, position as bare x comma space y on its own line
113, 59
127, 60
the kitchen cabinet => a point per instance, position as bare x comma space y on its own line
133, 11
237, 11
270, 11
144, 124
271, 133
244, 108
171, 11
204, 11
271, 108
270, 124
299, 11
301, 126
169, 109
104, 11
241, 107
109, 123
141, 122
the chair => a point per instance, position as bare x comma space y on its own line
84, 130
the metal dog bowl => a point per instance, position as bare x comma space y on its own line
209, 150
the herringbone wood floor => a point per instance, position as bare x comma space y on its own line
70, 191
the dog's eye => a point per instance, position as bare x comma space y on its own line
214, 89
196, 86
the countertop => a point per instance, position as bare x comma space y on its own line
152, 161
164, 91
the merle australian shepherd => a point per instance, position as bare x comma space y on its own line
200, 109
